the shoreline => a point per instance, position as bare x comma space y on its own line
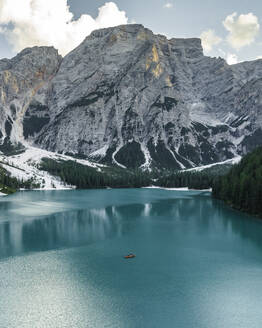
177, 189
108, 188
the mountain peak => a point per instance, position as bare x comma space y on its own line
132, 98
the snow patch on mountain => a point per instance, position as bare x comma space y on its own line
100, 153
148, 159
232, 161
25, 166
198, 113
114, 160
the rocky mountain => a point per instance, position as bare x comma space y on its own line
24, 79
129, 97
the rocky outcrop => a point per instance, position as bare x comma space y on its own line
23, 80
128, 97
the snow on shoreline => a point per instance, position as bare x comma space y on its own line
178, 189
24, 166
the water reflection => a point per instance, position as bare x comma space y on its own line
79, 227
198, 262
59, 230
196, 215
246, 227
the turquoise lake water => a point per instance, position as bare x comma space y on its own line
198, 263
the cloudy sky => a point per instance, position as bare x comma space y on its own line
228, 28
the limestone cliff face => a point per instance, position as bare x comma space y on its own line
129, 97
23, 79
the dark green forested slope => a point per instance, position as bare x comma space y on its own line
9, 185
242, 186
85, 177
192, 180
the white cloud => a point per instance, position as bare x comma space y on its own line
222, 52
27, 23
259, 57
242, 29
209, 39
232, 59
168, 5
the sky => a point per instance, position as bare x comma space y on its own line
231, 29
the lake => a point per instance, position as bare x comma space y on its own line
198, 263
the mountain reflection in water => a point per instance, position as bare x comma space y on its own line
59, 230
78, 227
85, 226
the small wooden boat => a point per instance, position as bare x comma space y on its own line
129, 256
